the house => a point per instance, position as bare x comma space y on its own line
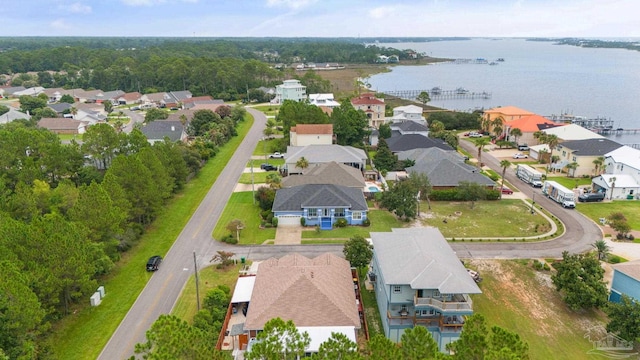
528, 125
60, 108
157, 99
32, 91
626, 281
409, 112
419, 281
10, 90
410, 127
323, 100
328, 173
415, 141
111, 96
572, 132
321, 154
86, 96
129, 98
616, 187
13, 114
63, 125
372, 106
320, 204
175, 98
311, 134
196, 100
290, 90
583, 152
623, 161
506, 113
317, 294
539, 152
164, 129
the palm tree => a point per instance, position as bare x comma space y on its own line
613, 185
571, 169
302, 163
516, 133
598, 162
74, 111
497, 130
480, 144
504, 164
274, 181
602, 248
552, 141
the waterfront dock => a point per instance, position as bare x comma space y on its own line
437, 94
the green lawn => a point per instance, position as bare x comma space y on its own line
83, 334
597, 210
209, 277
268, 109
504, 218
570, 183
69, 137
241, 206
517, 298
257, 162
265, 147
258, 177
381, 220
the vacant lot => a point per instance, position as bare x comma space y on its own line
597, 210
241, 206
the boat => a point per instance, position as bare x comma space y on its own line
461, 91
436, 91
500, 59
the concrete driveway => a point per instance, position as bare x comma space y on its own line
288, 234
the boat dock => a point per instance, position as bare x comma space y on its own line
438, 94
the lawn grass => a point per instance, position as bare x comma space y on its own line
522, 300
597, 210
209, 278
257, 162
269, 110
381, 220
83, 334
258, 177
370, 307
241, 206
265, 147
570, 183
69, 137
504, 218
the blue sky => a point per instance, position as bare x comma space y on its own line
316, 18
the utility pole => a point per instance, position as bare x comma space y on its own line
195, 267
253, 189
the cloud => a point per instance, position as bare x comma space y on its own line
76, 8
381, 12
60, 24
293, 4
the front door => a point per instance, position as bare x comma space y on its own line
326, 212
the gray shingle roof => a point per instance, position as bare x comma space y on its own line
325, 154
415, 141
444, 172
430, 154
409, 125
59, 108
591, 147
329, 173
157, 130
421, 258
316, 195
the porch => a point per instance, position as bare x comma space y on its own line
443, 323
459, 303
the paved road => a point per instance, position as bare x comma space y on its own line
580, 232
136, 118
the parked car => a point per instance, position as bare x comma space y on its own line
135, 108
276, 155
591, 197
154, 263
523, 147
475, 135
506, 190
520, 156
268, 167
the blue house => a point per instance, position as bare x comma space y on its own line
626, 281
419, 281
320, 204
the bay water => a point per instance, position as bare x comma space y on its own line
535, 75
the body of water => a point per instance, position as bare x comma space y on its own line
537, 76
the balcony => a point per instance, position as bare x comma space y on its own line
460, 303
453, 323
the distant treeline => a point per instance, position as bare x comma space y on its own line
592, 43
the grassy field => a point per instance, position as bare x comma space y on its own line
258, 177
504, 218
210, 277
597, 210
570, 183
241, 206
381, 220
269, 110
520, 299
83, 334
264, 147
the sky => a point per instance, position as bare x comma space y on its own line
321, 18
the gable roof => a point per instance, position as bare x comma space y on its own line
445, 172
591, 147
310, 292
530, 123
327, 173
131, 96
626, 155
159, 129
319, 195
325, 153
422, 259
631, 269
60, 124
572, 132
312, 129
367, 99
622, 181
13, 114
415, 141
430, 154
409, 125
408, 109
60, 107
508, 110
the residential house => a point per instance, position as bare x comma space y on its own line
419, 281
160, 130
408, 112
626, 281
320, 204
582, 152
111, 96
323, 100
572, 132
415, 141
8, 91
321, 154
129, 98
506, 113
157, 99
528, 125
616, 186
621, 162
290, 90
60, 108
32, 91
63, 125
328, 173
200, 100
176, 98
317, 294
409, 127
372, 106
86, 96
311, 134
13, 114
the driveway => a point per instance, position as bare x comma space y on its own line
288, 235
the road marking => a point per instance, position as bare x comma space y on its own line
185, 269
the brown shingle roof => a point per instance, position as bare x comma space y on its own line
313, 129
310, 292
60, 123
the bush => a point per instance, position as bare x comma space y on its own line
444, 195
341, 223
614, 259
619, 236
366, 222
303, 221
274, 221
230, 239
539, 265
265, 214
493, 194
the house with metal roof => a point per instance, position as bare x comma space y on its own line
420, 281
408, 112
626, 281
320, 204
582, 152
322, 154
572, 132
329, 173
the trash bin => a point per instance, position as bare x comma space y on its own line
242, 260
629, 197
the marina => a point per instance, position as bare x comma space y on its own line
438, 94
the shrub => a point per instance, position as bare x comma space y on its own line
265, 214
230, 239
614, 259
303, 221
444, 195
630, 237
493, 194
619, 236
274, 221
341, 223
547, 267
317, 228
366, 222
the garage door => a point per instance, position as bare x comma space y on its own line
289, 220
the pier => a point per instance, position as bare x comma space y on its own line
437, 94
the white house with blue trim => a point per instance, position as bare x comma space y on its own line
419, 281
626, 281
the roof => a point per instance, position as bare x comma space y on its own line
60, 107
310, 292
591, 147
131, 96
313, 129
243, 290
445, 172
421, 258
572, 132
626, 155
200, 98
159, 129
622, 181
60, 123
327, 173
325, 153
530, 123
508, 110
367, 99
320, 334
408, 109
12, 115
415, 141
631, 269
319, 195
430, 154
409, 125
179, 96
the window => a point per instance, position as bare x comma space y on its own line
574, 158
428, 312
356, 215
312, 212
339, 213
436, 293
397, 289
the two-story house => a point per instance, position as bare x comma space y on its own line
311, 134
620, 174
505, 113
419, 281
582, 152
290, 90
626, 281
408, 112
372, 106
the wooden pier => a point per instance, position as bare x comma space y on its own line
458, 94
